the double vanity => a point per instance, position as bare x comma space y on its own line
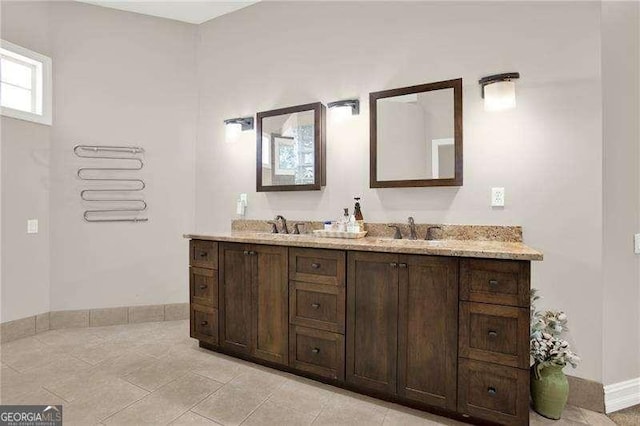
437, 325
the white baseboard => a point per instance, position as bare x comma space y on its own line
618, 396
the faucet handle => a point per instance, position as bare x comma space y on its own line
296, 229
429, 235
274, 227
411, 221
397, 235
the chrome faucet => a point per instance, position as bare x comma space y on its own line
412, 229
281, 218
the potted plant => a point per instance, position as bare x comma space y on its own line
550, 353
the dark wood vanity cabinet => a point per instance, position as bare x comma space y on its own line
402, 326
254, 301
435, 332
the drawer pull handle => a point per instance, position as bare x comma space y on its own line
315, 265
491, 390
493, 283
204, 323
252, 253
393, 264
493, 333
315, 350
203, 254
315, 305
403, 265
203, 286
246, 252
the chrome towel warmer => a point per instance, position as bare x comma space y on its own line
119, 186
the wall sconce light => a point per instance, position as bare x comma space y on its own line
234, 126
345, 108
499, 91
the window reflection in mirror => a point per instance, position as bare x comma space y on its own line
291, 148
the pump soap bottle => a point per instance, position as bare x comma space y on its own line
357, 212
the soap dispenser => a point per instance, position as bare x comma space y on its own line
357, 212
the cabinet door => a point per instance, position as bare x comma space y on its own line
235, 297
270, 304
428, 329
372, 320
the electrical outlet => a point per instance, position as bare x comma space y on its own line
32, 226
636, 243
497, 197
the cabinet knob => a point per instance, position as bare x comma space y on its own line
203, 286
203, 254
493, 283
393, 264
315, 350
402, 265
246, 252
491, 390
204, 323
315, 265
493, 333
252, 253
315, 305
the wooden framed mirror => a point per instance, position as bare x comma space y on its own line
291, 150
416, 136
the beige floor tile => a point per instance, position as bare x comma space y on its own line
229, 405
270, 413
260, 383
191, 418
87, 382
107, 400
352, 410
126, 363
596, 419
28, 353
157, 374
167, 403
301, 396
536, 419
403, 416
219, 369
36, 396
55, 371
17, 329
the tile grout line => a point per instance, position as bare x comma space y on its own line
261, 404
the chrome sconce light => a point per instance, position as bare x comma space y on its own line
234, 126
343, 109
499, 91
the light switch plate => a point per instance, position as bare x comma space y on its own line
32, 226
636, 243
497, 197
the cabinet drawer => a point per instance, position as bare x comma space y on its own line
317, 305
317, 351
492, 392
494, 333
203, 254
317, 266
203, 286
503, 282
204, 324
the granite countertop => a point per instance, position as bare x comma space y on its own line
449, 247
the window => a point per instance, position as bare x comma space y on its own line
25, 84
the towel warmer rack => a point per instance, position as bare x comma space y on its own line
120, 186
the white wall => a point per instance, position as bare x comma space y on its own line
25, 151
547, 153
621, 137
119, 79
122, 79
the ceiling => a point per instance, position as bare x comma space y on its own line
194, 12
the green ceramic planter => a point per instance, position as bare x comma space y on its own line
549, 391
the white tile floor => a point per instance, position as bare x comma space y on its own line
154, 373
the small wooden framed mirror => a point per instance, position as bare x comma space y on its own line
416, 136
291, 150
